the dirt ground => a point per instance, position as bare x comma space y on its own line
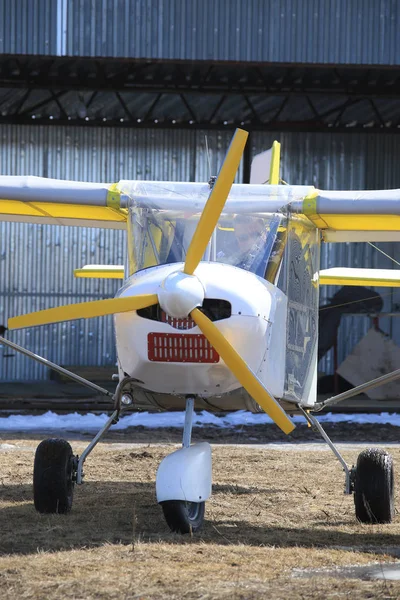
275, 513
243, 434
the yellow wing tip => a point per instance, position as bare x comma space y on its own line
360, 277
100, 272
275, 163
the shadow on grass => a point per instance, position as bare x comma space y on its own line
121, 512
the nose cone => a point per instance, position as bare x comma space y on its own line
180, 293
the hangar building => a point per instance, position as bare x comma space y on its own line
131, 89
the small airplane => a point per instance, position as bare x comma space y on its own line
218, 310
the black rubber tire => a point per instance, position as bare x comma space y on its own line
182, 516
53, 486
374, 487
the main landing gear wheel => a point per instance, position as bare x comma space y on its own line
374, 487
53, 476
182, 516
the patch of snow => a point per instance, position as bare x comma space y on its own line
92, 422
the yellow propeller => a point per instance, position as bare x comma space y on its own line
241, 371
83, 310
216, 201
205, 227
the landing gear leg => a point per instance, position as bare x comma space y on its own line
186, 515
56, 470
121, 400
187, 428
349, 473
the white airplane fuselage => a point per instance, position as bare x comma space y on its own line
171, 356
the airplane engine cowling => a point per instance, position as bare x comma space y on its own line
171, 356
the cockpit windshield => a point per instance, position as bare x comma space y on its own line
160, 233
250, 242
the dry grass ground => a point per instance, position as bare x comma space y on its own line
272, 511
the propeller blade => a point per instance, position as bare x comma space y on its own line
242, 372
215, 203
83, 310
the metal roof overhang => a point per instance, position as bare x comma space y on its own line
198, 94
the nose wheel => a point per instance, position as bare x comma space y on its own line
182, 516
184, 477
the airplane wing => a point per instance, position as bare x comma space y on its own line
355, 216
100, 272
360, 277
57, 202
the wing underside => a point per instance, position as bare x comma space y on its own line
100, 272
52, 213
360, 277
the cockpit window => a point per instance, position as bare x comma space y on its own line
251, 242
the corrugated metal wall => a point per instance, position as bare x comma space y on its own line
36, 273
323, 31
326, 31
37, 262
29, 27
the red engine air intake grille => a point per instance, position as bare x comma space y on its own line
180, 347
186, 323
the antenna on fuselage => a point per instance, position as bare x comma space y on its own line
213, 178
